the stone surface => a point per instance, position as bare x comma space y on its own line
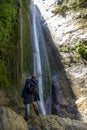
62, 33
53, 122
9, 120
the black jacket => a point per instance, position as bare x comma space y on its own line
29, 98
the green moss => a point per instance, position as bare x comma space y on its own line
70, 4
81, 48
58, 9
27, 57
6, 22
77, 57
3, 75
62, 8
76, 3
10, 50
65, 48
9, 41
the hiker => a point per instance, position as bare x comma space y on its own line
30, 94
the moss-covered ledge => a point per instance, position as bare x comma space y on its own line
10, 50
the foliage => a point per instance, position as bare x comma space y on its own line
65, 48
76, 3
61, 8
70, 4
8, 42
27, 56
10, 55
81, 49
7, 14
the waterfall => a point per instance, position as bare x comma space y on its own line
37, 60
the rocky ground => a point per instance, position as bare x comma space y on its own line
9, 120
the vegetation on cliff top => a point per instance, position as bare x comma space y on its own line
70, 4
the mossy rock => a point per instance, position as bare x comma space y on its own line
12, 121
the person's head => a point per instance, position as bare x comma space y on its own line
34, 76
28, 75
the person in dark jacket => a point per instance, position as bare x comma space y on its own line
30, 97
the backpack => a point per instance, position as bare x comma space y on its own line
30, 88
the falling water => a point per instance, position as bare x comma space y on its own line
37, 60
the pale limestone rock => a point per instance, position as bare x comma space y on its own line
67, 31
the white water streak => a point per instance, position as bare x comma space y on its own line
37, 62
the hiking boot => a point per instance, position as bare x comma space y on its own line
26, 118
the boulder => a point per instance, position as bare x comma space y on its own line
9, 120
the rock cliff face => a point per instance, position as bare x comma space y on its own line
66, 36
11, 68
